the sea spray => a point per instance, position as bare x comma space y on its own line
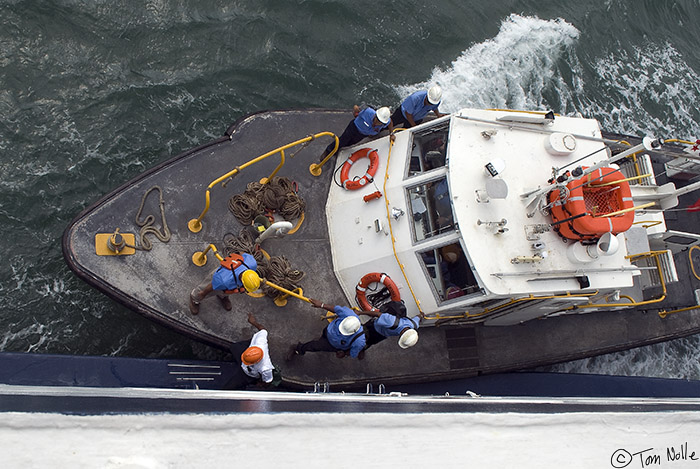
512, 70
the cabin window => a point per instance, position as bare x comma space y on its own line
431, 209
449, 271
428, 149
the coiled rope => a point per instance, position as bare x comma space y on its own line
276, 269
147, 224
278, 195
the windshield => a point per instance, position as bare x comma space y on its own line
449, 271
428, 149
431, 209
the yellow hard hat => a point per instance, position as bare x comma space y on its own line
250, 280
251, 355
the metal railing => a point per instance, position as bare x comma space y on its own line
195, 225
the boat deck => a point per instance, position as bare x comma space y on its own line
445, 352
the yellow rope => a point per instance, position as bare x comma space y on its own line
391, 230
690, 260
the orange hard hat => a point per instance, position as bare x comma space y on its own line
252, 355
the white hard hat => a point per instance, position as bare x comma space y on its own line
349, 325
383, 114
434, 95
408, 338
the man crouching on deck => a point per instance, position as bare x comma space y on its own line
237, 274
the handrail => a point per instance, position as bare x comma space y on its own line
678, 140
468, 315
655, 255
195, 225
315, 168
632, 302
199, 258
664, 313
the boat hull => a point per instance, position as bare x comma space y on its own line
157, 283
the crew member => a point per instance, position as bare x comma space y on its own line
344, 335
414, 108
254, 357
236, 274
366, 123
391, 321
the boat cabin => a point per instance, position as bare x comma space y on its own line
464, 226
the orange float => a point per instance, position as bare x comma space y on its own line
590, 197
369, 174
375, 277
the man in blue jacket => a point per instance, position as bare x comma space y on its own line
366, 123
414, 108
344, 335
236, 274
391, 321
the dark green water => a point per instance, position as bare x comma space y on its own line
93, 93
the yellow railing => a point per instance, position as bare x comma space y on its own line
613, 183
632, 302
199, 258
195, 225
315, 168
664, 313
678, 140
625, 210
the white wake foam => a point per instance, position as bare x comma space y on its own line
509, 71
650, 90
533, 64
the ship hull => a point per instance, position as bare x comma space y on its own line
156, 284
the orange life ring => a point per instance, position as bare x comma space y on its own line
583, 196
369, 174
375, 277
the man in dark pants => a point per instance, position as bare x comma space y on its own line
344, 335
391, 321
413, 109
367, 123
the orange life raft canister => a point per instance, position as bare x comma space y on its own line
594, 196
369, 174
375, 277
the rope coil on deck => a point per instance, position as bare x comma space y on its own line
147, 225
276, 269
278, 195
